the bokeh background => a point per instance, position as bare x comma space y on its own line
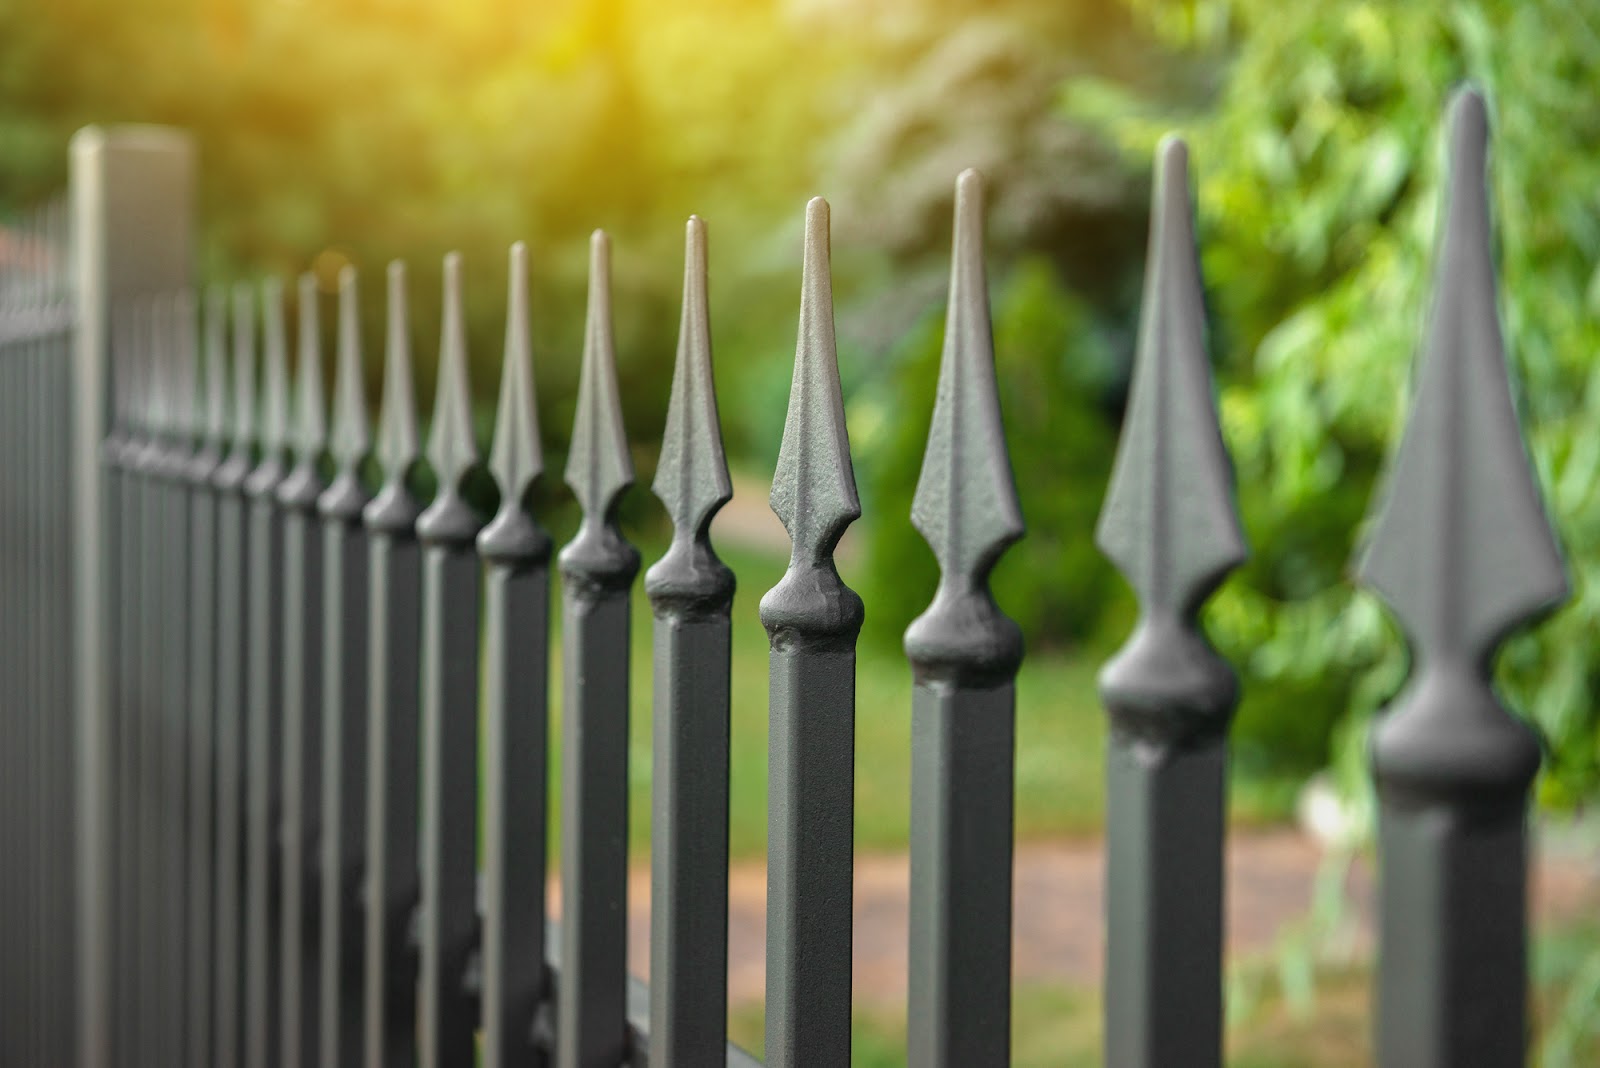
356, 131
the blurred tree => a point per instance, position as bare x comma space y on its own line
1318, 167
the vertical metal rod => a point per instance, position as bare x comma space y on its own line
130, 512
691, 593
812, 619
964, 654
390, 972
10, 618
1463, 553
597, 568
263, 733
150, 968
301, 768
204, 688
233, 644
446, 1020
32, 719
177, 354
345, 695
1170, 526
516, 553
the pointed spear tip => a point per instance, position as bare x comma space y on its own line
599, 466
1469, 110
694, 254
967, 434
452, 280
351, 435
969, 190
517, 307
967, 242
1469, 136
1172, 156
452, 448
818, 232
398, 433
1171, 195
692, 476
516, 458
813, 487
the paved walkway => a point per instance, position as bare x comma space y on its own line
1059, 911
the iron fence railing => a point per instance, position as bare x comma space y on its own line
273, 743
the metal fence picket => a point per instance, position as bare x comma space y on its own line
691, 593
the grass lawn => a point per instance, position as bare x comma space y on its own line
1060, 732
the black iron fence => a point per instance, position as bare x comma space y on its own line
274, 740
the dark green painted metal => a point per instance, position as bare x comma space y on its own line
1463, 553
812, 620
1170, 526
446, 1018
37, 825
691, 593
125, 705
211, 427
233, 638
964, 653
598, 568
264, 722
346, 694
516, 553
150, 967
394, 620
303, 640
173, 451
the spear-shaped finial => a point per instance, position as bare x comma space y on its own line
312, 416
398, 438
965, 504
1169, 525
814, 487
121, 379
352, 438
1462, 550
1169, 522
1463, 553
158, 362
244, 368
185, 421
452, 449
214, 401
599, 467
145, 394
517, 459
692, 477
275, 373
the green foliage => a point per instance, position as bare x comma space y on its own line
1055, 372
1318, 169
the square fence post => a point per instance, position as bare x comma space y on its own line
132, 196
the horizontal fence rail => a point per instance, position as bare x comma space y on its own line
275, 733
